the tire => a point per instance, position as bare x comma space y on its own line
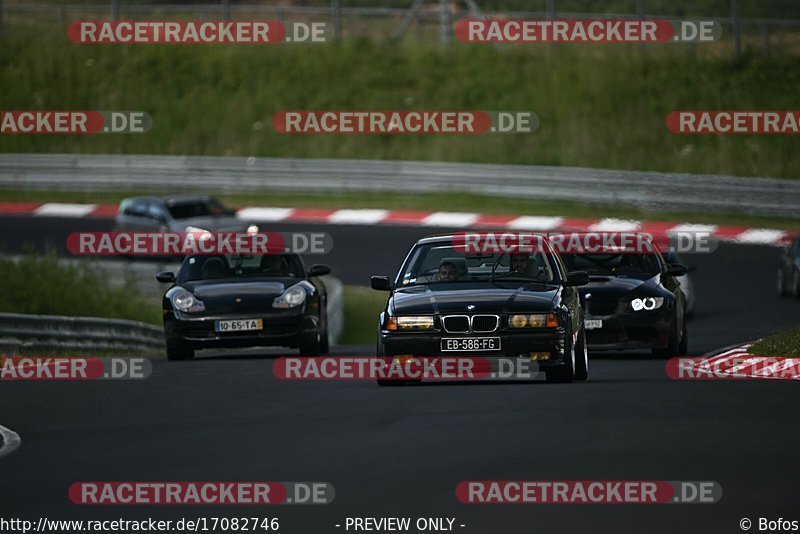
179, 353
581, 357
673, 348
324, 346
311, 346
683, 346
781, 285
795, 289
564, 373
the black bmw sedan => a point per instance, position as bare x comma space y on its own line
447, 302
634, 300
239, 300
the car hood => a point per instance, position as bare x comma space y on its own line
617, 286
486, 299
220, 297
212, 224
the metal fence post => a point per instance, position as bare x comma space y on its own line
115, 9
336, 14
1, 17
640, 14
737, 37
551, 9
444, 22
225, 8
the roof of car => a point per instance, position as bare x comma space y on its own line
445, 238
172, 199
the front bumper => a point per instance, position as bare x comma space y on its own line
512, 344
631, 330
287, 329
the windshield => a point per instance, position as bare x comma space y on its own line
626, 264
201, 207
211, 267
442, 263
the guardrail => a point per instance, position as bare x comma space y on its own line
28, 333
53, 332
649, 190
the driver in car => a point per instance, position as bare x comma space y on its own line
448, 272
519, 263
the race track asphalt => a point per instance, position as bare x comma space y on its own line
402, 451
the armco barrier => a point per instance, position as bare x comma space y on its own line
28, 333
651, 190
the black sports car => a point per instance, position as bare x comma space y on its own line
245, 301
633, 301
445, 302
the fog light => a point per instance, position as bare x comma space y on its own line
540, 356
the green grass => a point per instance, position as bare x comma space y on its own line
427, 202
785, 343
40, 285
361, 309
599, 106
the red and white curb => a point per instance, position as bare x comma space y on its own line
535, 223
739, 363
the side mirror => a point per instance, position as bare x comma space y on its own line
319, 270
577, 278
166, 277
675, 269
381, 283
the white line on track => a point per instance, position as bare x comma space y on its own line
11, 441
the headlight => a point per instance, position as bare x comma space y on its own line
647, 303
194, 229
184, 301
252, 229
536, 320
411, 322
292, 297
